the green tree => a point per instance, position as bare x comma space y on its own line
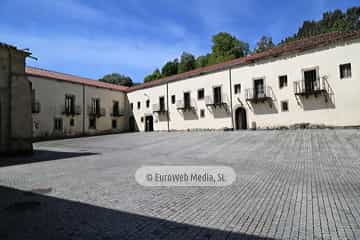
263, 44
118, 79
170, 68
227, 47
155, 75
202, 61
187, 62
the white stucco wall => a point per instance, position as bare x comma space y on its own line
215, 118
153, 94
343, 112
51, 95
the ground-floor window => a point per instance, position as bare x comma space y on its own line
114, 124
92, 123
58, 124
284, 106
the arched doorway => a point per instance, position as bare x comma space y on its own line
240, 118
149, 123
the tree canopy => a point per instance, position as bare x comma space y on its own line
227, 47
263, 44
118, 79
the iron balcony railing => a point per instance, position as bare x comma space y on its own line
98, 112
186, 106
308, 87
36, 107
259, 94
76, 110
159, 108
220, 100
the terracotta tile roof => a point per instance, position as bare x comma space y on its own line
297, 46
37, 72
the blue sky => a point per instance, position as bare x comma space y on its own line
91, 38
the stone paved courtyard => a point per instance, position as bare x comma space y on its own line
302, 184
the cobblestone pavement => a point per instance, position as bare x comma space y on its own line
302, 184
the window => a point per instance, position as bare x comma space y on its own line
132, 106
311, 80
148, 103
70, 104
162, 104
173, 99
114, 124
116, 111
72, 122
202, 113
95, 106
283, 81
201, 93
217, 95
58, 124
138, 105
284, 106
92, 123
237, 88
345, 70
187, 100
142, 119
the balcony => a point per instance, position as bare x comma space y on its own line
71, 111
36, 107
159, 108
319, 87
259, 95
215, 102
307, 88
117, 112
96, 112
186, 106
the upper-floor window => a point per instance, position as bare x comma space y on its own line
345, 70
148, 103
173, 99
116, 109
70, 104
283, 81
138, 105
132, 106
162, 103
187, 100
237, 88
201, 94
95, 105
217, 95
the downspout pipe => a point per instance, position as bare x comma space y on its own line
231, 100
167, 103
83, 111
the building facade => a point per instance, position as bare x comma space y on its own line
310, 81
15, 102
68, 106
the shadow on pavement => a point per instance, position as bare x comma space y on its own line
27, 215
40, 156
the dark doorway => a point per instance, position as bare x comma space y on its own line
132, 124
149, 124
240, 119
258, 88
